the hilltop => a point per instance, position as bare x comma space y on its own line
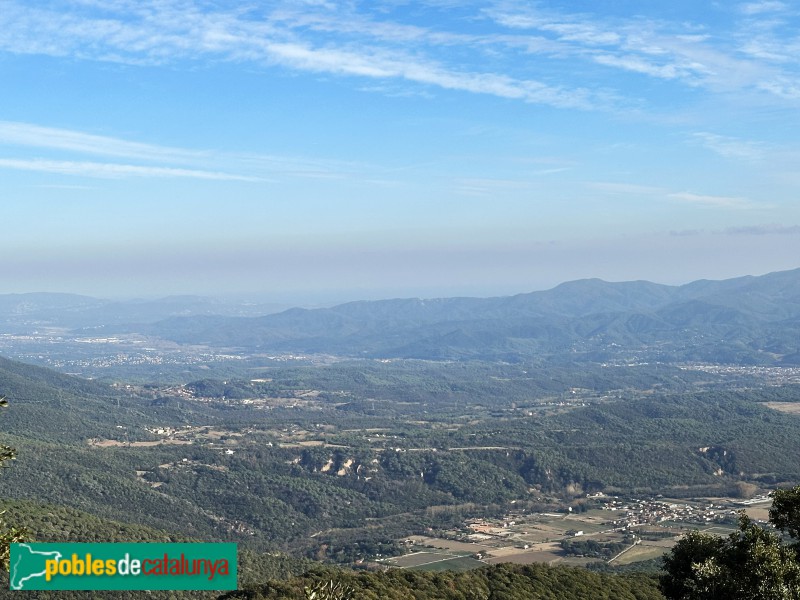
747, 320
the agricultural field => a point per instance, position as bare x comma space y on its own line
434, 560
624, 531
758, 513
550, 553
792, 408
640, 552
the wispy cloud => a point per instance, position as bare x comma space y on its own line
782, 87
664, 194
482, 186
62, 186
566, 27
426, 72
731, 147
765, 6
70, 142
625, 188
639, 65
755, 52
710, 201
62, 146
172, 30
37, 136
746, 55
114, 170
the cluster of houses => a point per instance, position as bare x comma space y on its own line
657, 512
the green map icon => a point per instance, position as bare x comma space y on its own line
27, 564
123, 566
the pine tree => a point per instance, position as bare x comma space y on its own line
753, 563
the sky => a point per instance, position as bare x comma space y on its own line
316, 151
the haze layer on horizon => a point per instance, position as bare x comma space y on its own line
343, 150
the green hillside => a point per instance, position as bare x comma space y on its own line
749, 320
501, 582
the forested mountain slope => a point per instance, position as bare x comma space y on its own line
501, 582
749, 320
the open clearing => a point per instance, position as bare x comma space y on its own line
463, 563
111, 443
793, 408
452, 545
639, 553
526, 557
720, 530
760, 513
425, 558
546, 553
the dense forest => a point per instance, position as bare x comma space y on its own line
502, 582
336, 463
270, 477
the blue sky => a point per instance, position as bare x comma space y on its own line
315, 151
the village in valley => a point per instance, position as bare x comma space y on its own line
615, 530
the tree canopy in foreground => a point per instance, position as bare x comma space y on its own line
753, 563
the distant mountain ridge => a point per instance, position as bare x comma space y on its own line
750, 320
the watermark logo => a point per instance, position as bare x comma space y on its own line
123, 567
